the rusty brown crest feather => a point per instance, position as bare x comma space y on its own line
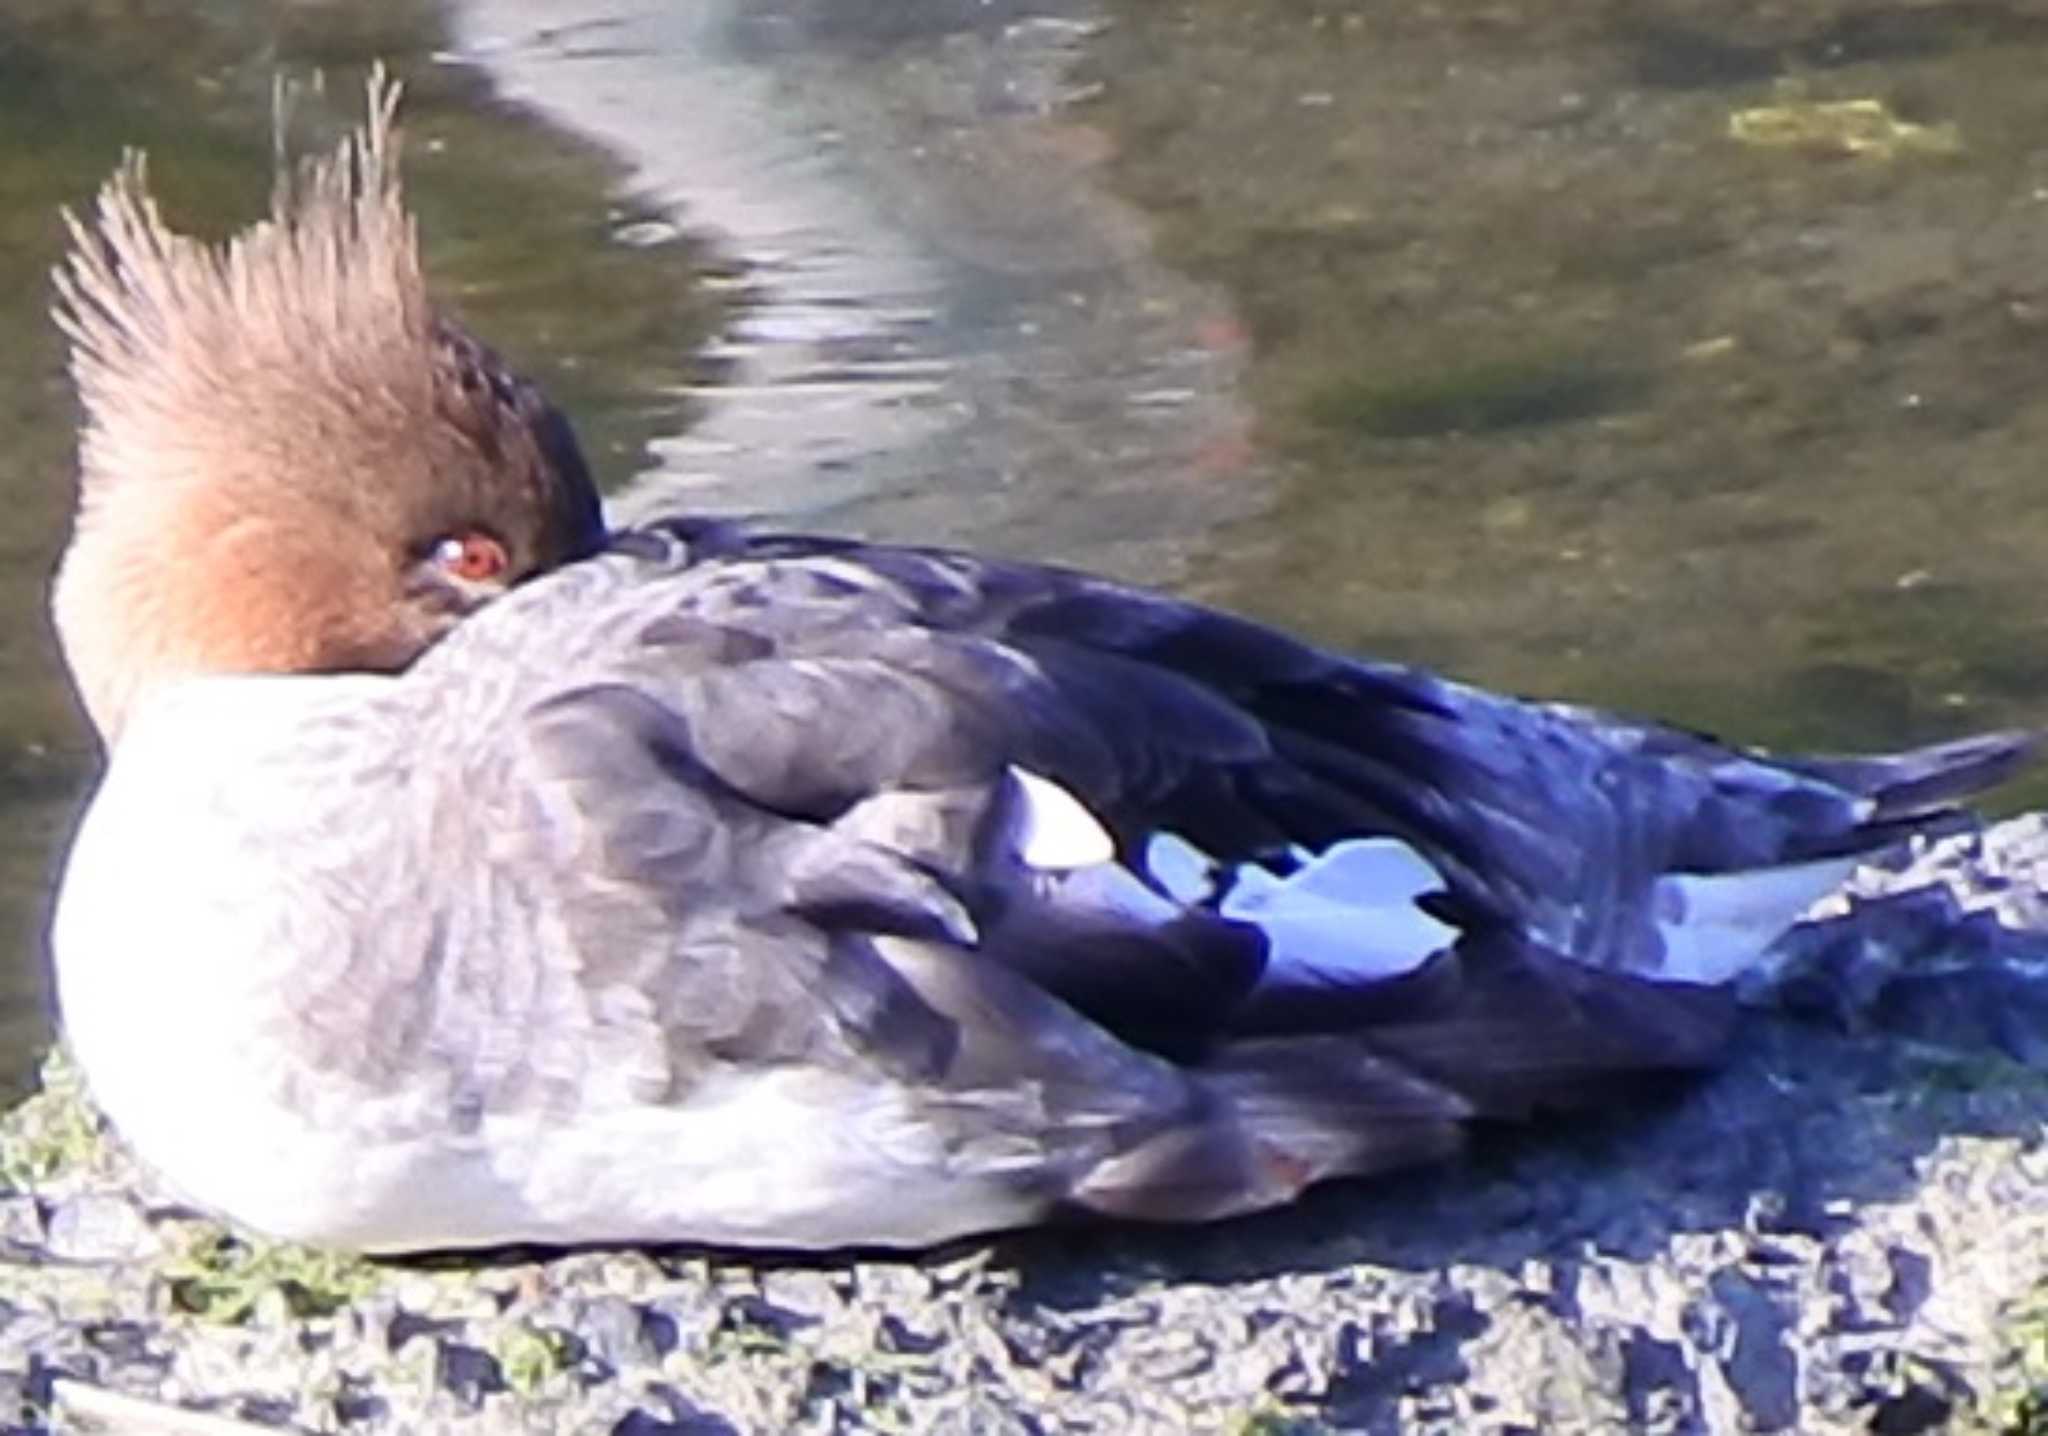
159, 323
277, 432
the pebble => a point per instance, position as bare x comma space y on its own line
99, 1228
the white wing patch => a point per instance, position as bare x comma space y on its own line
1346, 916
1716, 927
1052, 830
1183, 871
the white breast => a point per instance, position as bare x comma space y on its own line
194, 910
174, 939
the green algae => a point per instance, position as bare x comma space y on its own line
1472, 397
52, 1134
227, 1278
1866, 128
530, 1356
2018, 1405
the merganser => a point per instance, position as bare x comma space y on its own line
464, 875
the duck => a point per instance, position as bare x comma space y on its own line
465, 873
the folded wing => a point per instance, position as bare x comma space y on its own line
1157, 911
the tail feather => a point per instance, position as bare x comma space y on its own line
1712, 927
1594, 836
1923, 781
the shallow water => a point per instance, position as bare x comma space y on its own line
1685, 356
1473, 335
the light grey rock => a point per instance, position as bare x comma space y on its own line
92, 1227
1844, 1231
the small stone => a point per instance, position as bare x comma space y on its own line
405, 1325
684, 1321
684, 1418
810, 1293
612, 1330
102, 1229
1911, 1413
21, 1224
267, 1410
355, 1405
897, 1337
125, 1343
467, 1373
754, 1313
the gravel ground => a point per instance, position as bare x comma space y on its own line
1846, 1230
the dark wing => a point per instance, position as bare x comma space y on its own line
1166, 716
771, 918
816, 774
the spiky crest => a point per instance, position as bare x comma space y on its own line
160, 324
278, 431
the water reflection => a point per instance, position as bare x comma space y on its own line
953, 332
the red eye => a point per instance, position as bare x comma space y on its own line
471, 556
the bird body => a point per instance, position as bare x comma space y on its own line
699, 884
